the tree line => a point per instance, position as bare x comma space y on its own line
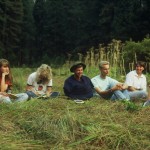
39, 31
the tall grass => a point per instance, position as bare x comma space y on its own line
61, 124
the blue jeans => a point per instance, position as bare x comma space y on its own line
138, 94
31, 94
116, 95
5, 99
20, 98
120, 95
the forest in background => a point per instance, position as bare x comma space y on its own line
47, 30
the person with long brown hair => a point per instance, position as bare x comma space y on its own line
6, 84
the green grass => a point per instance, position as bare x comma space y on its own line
61, 124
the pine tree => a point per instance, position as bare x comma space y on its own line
39, 15
28, 33
10, 24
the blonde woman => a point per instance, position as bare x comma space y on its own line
6, 84
40, 82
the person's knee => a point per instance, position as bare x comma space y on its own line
26, 97
144, 93
30, 94
6, 100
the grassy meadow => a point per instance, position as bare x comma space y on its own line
61, 124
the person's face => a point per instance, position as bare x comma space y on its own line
139, 69
43, 77
78, 72
4, 69
104, 70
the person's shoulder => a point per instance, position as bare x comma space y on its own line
33, 74
143, 76
98, 76
86, 77
69, 78
111, 79
133, 72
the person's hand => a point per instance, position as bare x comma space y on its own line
118, 86
37, 93
3, 93
124, 86
5, 73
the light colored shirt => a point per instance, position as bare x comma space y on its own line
40, 88
132, 79
103, 84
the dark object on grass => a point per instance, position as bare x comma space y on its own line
54, 94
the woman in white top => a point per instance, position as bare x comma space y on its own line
136, 81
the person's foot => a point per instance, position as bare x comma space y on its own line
146, 103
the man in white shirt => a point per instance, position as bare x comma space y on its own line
108, 88
136, 81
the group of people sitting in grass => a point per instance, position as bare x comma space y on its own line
78, 86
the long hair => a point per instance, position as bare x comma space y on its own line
4, 62
44, 74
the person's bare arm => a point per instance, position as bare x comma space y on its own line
4, 94
29, 88
131, 88
48, 91
124, 86
3, 85
119, 86
100, 92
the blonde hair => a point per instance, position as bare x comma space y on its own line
44, 74
103, 63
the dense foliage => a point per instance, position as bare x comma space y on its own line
43, 29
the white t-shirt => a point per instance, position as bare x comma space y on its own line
133, 80
103, 84
40, 88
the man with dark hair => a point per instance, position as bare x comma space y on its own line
136, 81
78, 86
